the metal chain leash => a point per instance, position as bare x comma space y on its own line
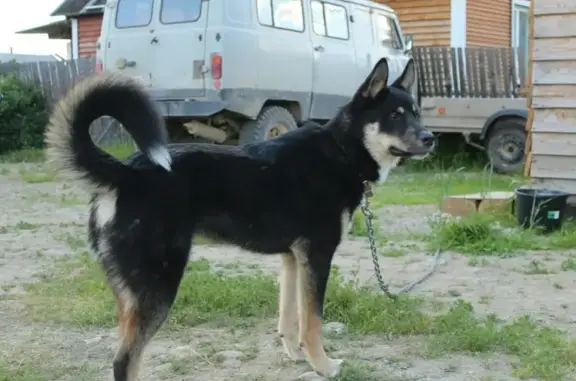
369, 216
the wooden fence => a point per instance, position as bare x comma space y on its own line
55, 78
470, 72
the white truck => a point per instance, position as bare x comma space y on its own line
238, 71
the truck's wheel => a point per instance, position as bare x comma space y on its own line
505, 145
273, 121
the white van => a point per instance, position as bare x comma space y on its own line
248, 70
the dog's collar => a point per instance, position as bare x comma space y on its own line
368, 192
361, 176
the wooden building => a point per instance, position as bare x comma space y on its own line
462, 23
82, 24
551, 154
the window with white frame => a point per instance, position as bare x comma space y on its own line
387, 31
281, 14
521, 31
133, 13
329, 20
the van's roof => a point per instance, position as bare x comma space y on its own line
372, 4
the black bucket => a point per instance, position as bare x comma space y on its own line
544, 208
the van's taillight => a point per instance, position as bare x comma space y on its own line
98, 66
216, 65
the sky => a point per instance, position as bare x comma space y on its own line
17, 15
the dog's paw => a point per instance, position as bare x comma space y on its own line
332, 369
292, 348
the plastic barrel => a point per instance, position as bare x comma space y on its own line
543, 208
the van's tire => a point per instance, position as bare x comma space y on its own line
273, 121
505, 145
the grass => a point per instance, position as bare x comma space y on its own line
569, 264
496, 234
36, 155
409, 188
37, 368
34, 372
37, 175
21, 373
78, 295
28, 155
44, 174
354, 371
8, 373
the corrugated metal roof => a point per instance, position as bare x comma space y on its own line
69, 7
55, 30
73, 7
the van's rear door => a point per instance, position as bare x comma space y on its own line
179, 49
127, 34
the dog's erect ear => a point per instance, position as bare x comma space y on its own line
408, 77
376, 81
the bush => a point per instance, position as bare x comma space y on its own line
23, 115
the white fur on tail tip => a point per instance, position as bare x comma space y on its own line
105, 207
160, 156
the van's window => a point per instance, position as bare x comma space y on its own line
329, 20
134, 13
283, 14
318, 22
177, 11
387, 32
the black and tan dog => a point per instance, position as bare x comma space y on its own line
292, 196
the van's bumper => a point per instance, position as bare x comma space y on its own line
190, 108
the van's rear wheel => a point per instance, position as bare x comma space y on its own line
505, 145
272, 122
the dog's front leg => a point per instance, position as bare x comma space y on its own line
313, 270
288, 322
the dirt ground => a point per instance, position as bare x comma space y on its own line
506, 287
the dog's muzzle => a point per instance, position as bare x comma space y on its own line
422, 145
427, 139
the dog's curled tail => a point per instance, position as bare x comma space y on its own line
67, 137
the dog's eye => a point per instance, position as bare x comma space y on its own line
395, 115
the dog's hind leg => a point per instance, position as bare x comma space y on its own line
142, 313
137, 324
131, 338
288, 307
312, 270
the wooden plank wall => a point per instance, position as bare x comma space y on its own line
551, 159
427, 20
88, 33
488, 23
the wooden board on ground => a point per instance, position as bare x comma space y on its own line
461, 205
